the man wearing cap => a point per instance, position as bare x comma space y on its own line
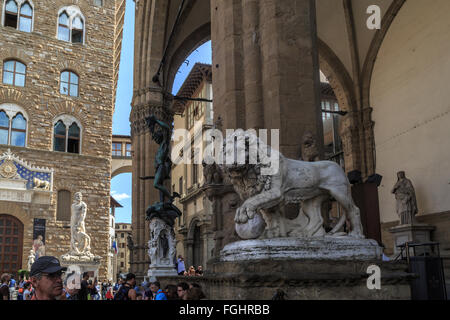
46, 278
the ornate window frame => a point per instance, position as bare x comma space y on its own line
19, 7
73, 12
12, 110
68, 120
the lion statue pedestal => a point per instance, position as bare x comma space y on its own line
295, 255
321, 249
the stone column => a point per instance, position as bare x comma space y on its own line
148, 98
266, 72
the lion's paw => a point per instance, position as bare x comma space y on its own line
241, 216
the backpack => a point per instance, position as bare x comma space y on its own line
122, 294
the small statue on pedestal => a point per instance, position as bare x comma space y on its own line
406, 199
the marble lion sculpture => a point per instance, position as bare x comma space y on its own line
306, 183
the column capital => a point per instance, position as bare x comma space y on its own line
159, 104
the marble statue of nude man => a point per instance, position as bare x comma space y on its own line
80, 242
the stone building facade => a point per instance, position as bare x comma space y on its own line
59, 66
195, 239
123, 232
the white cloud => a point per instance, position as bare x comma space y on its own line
119, 196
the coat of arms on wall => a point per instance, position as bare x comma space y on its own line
19, 175
8, 170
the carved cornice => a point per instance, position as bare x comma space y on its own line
8, 155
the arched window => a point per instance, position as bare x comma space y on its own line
67, 135
18, 131
77, 30
73, 141
11, 10
59, 142
69, 84
14, 73
63, 27
71, 25
13, 125
64, 203
22, 18
4, 127
26, 18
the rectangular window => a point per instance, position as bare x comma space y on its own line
73, 145
74, 90
18, 138
11, 19
3, 136
117, 149
20, 80
77, 36
194, 173
64, 204
59, 144
121, 264
25, 24
64, 89
128, 149
63, 33
180, 185
8, 77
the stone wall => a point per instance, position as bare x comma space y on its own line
74, 173
300, 280
89, 172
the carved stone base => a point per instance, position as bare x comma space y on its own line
328, 248
86, 257
162, 250
420, 233
81, 267
154, 273
300, 279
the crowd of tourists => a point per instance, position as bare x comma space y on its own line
46, 283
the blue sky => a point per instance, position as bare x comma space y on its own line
121, 184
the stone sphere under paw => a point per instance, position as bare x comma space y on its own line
252, 229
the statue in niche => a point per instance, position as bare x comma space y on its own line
162, 243
405, 196
310, 152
